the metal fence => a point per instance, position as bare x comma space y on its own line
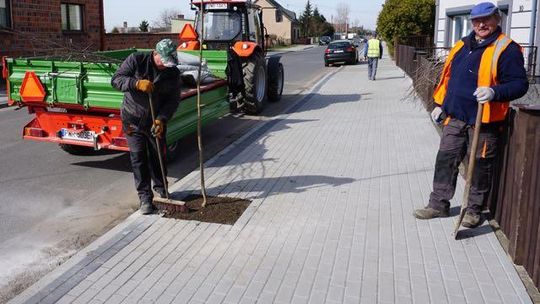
406, 58
514, 201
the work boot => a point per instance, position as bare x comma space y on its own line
470, 220
147, 208
429, 213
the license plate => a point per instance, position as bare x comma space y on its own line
77, 135
338, 51
216, 6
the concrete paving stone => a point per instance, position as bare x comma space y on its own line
473, 295
437, 291
299, 300
184, 295
317, 296
88, 295
490, 292
272, 285
454, 288
284, 294
351, 300
339, 278
483, 276
402, 288
449, 273
456, 299
215, 298
368, 297
335, 294
107, 292
402, 273
303, 288
80, 288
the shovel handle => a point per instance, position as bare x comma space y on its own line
158, 148
470, 167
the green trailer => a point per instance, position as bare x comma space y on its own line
74, 104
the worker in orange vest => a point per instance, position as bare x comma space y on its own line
484, 67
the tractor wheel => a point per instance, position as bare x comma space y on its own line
275, 82
255, 84
78, 150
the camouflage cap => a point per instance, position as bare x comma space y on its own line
166, 49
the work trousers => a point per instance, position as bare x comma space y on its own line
372, 67
455, 144
145, 164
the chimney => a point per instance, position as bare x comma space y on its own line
125, 24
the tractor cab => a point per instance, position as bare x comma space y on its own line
229, 22
234, 28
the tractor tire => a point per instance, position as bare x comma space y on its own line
255, 83
275, 82
78, 150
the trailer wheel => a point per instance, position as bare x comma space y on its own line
275, 81
255, 84
78, 150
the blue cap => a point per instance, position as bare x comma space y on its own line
483, 9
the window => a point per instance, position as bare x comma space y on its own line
255, 32
5, 14
461, 26
279, 16
72, 17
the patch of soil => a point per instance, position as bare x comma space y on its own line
220, 210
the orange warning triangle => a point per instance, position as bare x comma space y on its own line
188, 33
31, 88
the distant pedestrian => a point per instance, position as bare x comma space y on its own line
373, 51
139, 76
484, 67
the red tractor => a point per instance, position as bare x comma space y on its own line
234, 34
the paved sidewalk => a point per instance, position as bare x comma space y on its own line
333, 185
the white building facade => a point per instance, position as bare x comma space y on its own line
519, 22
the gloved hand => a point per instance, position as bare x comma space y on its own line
145, 85
436, 115
484, 94
157, 128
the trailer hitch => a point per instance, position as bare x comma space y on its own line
96, 137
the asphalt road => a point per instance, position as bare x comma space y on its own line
53, 203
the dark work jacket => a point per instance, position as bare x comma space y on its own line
459, 101
135, 106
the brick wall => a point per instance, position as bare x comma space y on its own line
137, 40
37, 28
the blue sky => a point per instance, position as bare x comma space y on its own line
134, 11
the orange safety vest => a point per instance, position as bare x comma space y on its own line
487, 77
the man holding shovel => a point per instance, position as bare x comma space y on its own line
144, 78
485, 67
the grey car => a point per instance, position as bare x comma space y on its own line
340, 51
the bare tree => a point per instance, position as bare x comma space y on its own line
342, 16
164, 19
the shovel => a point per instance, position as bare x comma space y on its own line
470, 168
166, 203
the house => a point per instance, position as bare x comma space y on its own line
279, 21
32, 28
519, 21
